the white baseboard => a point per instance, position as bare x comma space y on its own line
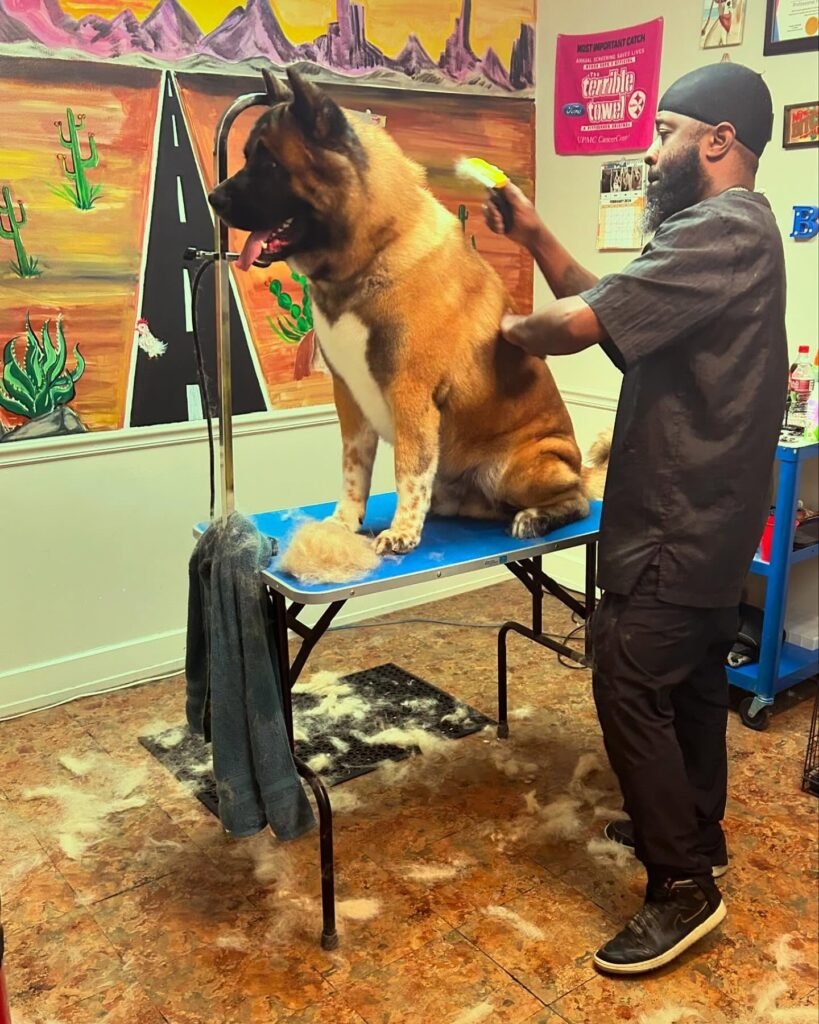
47, 683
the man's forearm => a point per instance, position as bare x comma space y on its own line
560, 329
563, 273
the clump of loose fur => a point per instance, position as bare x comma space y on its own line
358, 910
320, 763
520, 924
609, 852
475, 1014
559, 819
425, 741
610, 813
433, 872
327, 552
82, 818
594, 474
765, 1009
587, 765
319, 683
669, 1015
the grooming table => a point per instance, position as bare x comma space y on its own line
449, 548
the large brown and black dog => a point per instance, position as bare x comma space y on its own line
479, 427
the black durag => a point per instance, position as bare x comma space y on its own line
725, 92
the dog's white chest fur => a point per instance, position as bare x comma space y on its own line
344, 345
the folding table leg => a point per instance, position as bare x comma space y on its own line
329, 935
503, 721
531, 575
289, 673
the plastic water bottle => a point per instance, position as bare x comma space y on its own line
801, 388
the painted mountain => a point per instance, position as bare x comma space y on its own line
252, 36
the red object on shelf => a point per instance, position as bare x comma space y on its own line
767, 539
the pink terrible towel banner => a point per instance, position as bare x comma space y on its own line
606, 87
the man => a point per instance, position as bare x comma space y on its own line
696, 325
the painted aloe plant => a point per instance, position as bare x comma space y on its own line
297, 319
38, 382
80, 192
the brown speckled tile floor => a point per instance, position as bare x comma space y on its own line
475, 915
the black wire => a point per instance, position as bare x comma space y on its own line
203, 382
571, 635
495, 626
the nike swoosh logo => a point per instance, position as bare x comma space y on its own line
693, 917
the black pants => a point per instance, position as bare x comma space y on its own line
662, 699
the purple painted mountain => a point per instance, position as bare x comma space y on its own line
12, 30
251, 31
458, 58
414, 59
42, 20
172, 30
347, 46
493, 69
522, 67
112, 38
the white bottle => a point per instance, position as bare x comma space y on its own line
801, 389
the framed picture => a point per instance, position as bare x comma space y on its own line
791, 26
723, 23
801, 125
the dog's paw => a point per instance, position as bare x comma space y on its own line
347, 516
530, 523
396, 542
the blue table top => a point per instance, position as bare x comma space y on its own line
448, 547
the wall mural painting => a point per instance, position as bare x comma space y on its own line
107, 117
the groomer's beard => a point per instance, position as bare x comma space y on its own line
680, 184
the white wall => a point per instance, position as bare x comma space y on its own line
96, 532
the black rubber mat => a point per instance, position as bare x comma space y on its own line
388, 697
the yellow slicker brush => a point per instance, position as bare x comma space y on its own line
490, 177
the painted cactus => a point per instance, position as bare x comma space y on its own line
10, 224
81, 194
39, 382
463, 217
298, 316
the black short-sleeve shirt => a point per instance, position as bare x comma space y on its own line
697, 326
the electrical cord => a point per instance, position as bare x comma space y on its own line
574, 634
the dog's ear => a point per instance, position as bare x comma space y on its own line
319, 117
276, 91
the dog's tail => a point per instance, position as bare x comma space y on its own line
594, 473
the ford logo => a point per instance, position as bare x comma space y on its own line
574, 110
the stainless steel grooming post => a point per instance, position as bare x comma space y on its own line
223, 349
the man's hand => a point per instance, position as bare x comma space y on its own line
526, 224
509, 332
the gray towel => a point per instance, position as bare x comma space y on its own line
233, 685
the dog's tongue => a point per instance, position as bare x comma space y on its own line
252, 249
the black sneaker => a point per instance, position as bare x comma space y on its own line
622, 832
675, 915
